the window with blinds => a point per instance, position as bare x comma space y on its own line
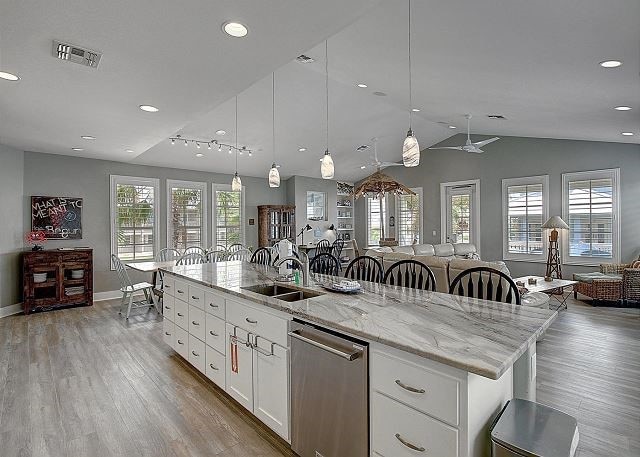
591, 213
134, 216
375, 217
186, 214
229, 213
525, 210
409, 218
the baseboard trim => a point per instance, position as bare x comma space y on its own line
10, 310
109, 295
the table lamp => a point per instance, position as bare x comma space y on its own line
306, 228
554, 265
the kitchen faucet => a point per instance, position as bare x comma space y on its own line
304, 265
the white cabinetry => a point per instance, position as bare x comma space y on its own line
240, 374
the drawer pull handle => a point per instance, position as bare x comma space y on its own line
213, 367
212, 333
195, 354
180, 291
180, 314
167, 333
167, 286
409, 445
213, 305
409, 388
167, 307
250, 321
180, 342
195, 323
195, 298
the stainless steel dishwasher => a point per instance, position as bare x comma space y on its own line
329, 393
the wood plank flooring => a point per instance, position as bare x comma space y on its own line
83, 382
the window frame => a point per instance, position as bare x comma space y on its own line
614, 175
114, 181
383, 215
419, 194
522, 181
193, 185
214, 213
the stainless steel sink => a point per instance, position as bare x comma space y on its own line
282, 292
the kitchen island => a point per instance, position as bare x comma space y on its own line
441, 366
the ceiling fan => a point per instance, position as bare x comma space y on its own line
469, 146
375, 162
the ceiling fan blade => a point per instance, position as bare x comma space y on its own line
479, 144
458, 148
475, 151
390, 164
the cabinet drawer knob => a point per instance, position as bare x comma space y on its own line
180, 291
212, 333
195, 323
167, 307
180, 314
195, 298
213, 305
167, 286
180, 342
167, 333
195, 354
213, 367
409, 445
409, 388
250, 321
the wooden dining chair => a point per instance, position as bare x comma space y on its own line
192, 258
487, 284
167, 254
325, 264
240, 254
365, 268
261, 256
412, 274
196, 249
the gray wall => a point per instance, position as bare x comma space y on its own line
297, 187
513, 157
49, 174
11, 235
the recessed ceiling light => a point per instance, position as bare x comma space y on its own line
622, 108
9, 76
235, 29
302, 149
149, 108
610, 63
221, 132
627, 133
452, 127
380, 94
416, 110
77, 149
199, 154
361, 85
363, 167
88, 137
128, 150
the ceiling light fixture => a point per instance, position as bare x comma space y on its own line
274, 174
199, 155
627, 133
88, 137
77, 149
302, 149
610, 63
622, 108
326, 167
361, 85
209, 143
236, 182
410, 147
186, 143
129, 150
9, 76
221, 132
173, 141
362, 167
452, 127
379, 94
235, 29
149, 108
197, 145
416, 110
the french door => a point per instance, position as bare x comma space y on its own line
460, 206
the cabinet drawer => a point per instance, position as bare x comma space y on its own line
168, 332
197, 353
258, 322
196, 296
168, 307
181, 345
215, 367
399, 431
215, 304
197, 323
182, 314
215, 335
168, 282
181, 290
423, 389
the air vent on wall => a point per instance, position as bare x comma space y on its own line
304, 59
76, 54
363, 147
495, 116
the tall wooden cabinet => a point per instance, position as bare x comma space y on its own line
275, 223
49, 282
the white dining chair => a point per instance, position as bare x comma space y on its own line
128, 289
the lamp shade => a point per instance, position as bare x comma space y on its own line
555, 222
410, 150
326, 167
307, 228
274, 176
236, 183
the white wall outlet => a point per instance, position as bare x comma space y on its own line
434, 233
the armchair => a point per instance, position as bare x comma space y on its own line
630, 278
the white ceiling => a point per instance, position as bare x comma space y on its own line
536, 63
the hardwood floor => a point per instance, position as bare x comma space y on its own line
82, 382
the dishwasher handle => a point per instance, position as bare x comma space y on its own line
350, 356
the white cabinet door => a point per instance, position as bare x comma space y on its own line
240, 381
271, 386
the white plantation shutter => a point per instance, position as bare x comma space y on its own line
228, 215
186, 214
375, 213
409, 218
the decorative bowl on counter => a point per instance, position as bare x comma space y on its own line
39, 277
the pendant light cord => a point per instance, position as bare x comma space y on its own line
409, 53
326, 75
236, 134
273, 113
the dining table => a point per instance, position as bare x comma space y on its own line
153, 267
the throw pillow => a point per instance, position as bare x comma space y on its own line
472, 256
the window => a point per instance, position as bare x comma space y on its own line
186, 214
316, 204
409, 218
591, 209
376, 210
228, 215
525, 203
134, 217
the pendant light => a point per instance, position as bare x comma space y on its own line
236, 183
274, 174
326, 166
410, 148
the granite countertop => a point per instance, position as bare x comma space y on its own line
478, 336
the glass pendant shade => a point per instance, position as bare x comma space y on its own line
274, 176
410, 150
236, 184
326, 167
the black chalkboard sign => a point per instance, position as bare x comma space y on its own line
60, 218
